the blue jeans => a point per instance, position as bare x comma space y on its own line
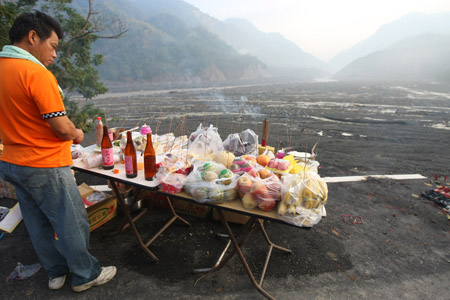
51, 204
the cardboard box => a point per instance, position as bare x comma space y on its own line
190, 208
180, 206
101, 212
7, 190
231, 217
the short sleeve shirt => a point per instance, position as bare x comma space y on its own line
29, 95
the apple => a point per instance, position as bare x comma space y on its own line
273, 164
253, 173
264, 173
259, 191
266, 205
244, 184
283, 165
248, 201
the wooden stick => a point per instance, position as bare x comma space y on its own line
106, 119
157, 126
151, 121
287, 131
231, 129
278, 138
123, 122
170, 125
139, 122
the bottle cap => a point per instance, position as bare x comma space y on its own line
99, 118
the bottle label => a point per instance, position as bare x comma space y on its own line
129, 165
108, 157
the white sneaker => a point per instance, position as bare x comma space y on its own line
56, 283
106, 275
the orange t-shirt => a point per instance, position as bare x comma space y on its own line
29, 95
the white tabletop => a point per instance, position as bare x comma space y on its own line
120, 176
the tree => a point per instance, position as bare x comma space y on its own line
75, 67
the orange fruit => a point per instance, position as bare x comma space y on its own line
262, 159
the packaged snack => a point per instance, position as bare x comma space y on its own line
173, 183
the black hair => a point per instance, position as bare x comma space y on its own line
38, 21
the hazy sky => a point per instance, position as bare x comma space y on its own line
320, 27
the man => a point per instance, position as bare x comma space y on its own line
36, 159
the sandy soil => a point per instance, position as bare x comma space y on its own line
399, 252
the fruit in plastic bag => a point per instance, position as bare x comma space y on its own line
266, 204
248, 201
225, 158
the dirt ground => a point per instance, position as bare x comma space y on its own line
400, 251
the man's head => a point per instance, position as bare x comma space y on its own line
37, 33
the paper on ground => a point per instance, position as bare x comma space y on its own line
363, 178
12, 219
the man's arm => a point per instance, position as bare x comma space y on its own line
64, 129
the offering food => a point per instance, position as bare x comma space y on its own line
211, 182
173, 183
258, 192
303, 197
279, 166
225, 158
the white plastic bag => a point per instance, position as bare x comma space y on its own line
204, 143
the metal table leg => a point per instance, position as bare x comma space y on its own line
130, 221
244, 233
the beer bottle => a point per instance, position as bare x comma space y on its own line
130, 157
107, 150
149, 159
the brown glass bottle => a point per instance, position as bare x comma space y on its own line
149, 159
107, 150
130, 157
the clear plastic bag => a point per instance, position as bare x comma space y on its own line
303, 198
204, 143
211, 182
21, 271
242, 143
256, 191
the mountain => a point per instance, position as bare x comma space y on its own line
257, 54
424, 57
160, 47
275, 51
390, 33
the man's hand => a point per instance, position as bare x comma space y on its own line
79, 138
64, 129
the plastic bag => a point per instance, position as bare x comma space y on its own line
303, 197
21, 271
242, 143
173, 183
95, 197
211, 182
173, 163
243, 164
279, 166
259, 192
204, 143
